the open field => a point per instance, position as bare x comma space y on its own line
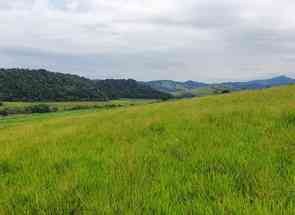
226, 154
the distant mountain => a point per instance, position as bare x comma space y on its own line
42, 85
192, 88
260, 84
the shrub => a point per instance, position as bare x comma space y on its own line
10, 110
225, 91
166, 98
78, 107
107, 106
3, 112
14, 110
40, 108
1, 104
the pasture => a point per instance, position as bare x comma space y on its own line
225, 154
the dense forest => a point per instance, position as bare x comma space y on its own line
42, 85
121, 88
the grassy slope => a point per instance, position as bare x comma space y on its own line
229, 154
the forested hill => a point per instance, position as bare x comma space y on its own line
42, 85
122, 88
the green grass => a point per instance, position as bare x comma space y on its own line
226, 154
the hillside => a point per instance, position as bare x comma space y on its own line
120, 88
176, 88
42, 85
173, 86
228, 154
192, 88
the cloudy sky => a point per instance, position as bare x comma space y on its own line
203, 40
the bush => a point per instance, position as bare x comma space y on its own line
3, 112
225, 91
40, 108
78, 107
10, 110
1, 104
13, 110
106, 106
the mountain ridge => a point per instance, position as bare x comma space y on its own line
193, 88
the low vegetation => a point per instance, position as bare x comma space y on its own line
17, 108
38, 108
226, 154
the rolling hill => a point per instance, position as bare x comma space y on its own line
174, 86
228, 154
260, 84
191, 88
42, 85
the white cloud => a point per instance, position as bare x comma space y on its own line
151, 39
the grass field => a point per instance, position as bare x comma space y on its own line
226, 154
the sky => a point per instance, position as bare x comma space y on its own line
201, 40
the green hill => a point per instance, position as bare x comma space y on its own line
227, 154
192, 88
42, 85
176, 88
